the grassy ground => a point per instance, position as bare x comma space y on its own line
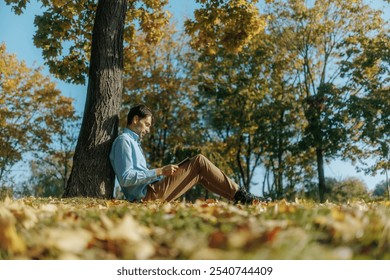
80, 228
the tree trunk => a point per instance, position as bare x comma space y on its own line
387, 183
279, 134
321, 174
92, 174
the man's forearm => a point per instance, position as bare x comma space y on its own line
135, 178
158, 171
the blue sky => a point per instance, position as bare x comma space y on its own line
17, 32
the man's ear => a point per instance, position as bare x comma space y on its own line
135, 119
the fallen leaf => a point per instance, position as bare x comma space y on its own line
68, 240
10, 241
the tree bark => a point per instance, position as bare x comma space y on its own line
279, 187
92, 174
321, 174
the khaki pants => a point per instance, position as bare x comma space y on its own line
198, 170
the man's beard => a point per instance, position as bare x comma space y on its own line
141, 135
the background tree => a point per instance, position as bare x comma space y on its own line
50, 169
340, 191
278, 117
219, 33
230, 89
43, 182
32, 111
319, 36
248, 111
381, 190
346, 190
370, 109
228, 24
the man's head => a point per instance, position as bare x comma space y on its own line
140, 120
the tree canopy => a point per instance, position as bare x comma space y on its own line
32, 112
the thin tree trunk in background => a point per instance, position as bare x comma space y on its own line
321, 174
387, 183
92, 174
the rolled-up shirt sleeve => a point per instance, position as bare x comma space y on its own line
123, 158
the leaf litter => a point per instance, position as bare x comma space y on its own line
86, 228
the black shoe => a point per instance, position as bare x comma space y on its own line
242, 196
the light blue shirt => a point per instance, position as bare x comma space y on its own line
129, 163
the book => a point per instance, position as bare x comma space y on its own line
183, 161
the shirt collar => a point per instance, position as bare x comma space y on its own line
132, 134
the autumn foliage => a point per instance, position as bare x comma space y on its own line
32, 111
77, 228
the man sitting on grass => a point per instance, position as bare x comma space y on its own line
169, 182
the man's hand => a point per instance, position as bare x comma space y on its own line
167, 170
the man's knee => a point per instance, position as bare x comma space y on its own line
200, 159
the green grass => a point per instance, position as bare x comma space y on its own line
82, 228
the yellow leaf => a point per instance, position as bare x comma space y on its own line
128, 229
71, 241
9, 238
